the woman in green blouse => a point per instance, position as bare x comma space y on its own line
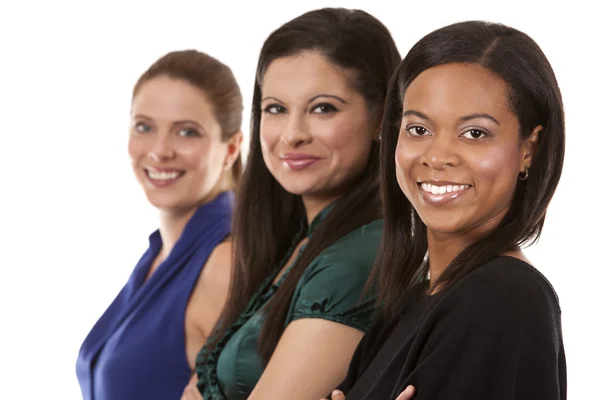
307, 225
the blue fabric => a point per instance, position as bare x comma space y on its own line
136, 350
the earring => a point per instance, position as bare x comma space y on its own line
524, 175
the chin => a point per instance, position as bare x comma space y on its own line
164, 202
442, 225
444, 230
297, 188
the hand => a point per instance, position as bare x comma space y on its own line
407, 394
191, 391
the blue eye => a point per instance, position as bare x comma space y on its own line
187, 132
142, 127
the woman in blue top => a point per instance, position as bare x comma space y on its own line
184, 148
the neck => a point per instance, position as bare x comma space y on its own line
314, 206
444, 247
442, 250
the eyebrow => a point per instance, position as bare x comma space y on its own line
416, 114
329, 96
464, 118
271, 98
178, 122
481, 115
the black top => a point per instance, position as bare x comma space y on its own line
495, 335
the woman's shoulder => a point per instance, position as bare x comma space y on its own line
514, 274
219, 263
354, 251
364, 239
334, 285
506, 283
373, 228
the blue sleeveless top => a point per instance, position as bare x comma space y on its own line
136, 350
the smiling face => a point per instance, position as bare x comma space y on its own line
175, 144
316, 129
459, 151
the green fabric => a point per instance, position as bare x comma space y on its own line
330, 288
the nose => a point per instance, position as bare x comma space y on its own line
162, 149
296, 132
440, 153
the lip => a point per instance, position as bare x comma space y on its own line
442, 199
299, 161
162, 169
162, 183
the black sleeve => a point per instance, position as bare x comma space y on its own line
364, 353
499, 338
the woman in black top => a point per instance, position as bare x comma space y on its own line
472, 152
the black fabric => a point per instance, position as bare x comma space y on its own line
496, 334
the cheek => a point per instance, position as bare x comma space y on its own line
269, 133
266, 149
407, 151
203, 156
406, 156
135, 148
349, 156
496, 169
350, 143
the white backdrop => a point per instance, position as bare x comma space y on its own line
74, 222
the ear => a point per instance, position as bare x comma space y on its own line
529, 148
234, 145
378, 124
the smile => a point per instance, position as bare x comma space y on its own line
163, 178
442, 193
298, 161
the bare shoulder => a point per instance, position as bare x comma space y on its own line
207, 299
217, 270
211, 290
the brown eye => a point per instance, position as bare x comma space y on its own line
417, 131
274, 109
324, 108
474, 134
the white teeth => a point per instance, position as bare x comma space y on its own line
163, 176
430, 188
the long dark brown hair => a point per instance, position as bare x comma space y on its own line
267, 216
215, 79
535, 99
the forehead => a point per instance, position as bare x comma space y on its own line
458, 89
304, 75
171, 99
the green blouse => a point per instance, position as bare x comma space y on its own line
330, 288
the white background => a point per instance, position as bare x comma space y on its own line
73, 221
